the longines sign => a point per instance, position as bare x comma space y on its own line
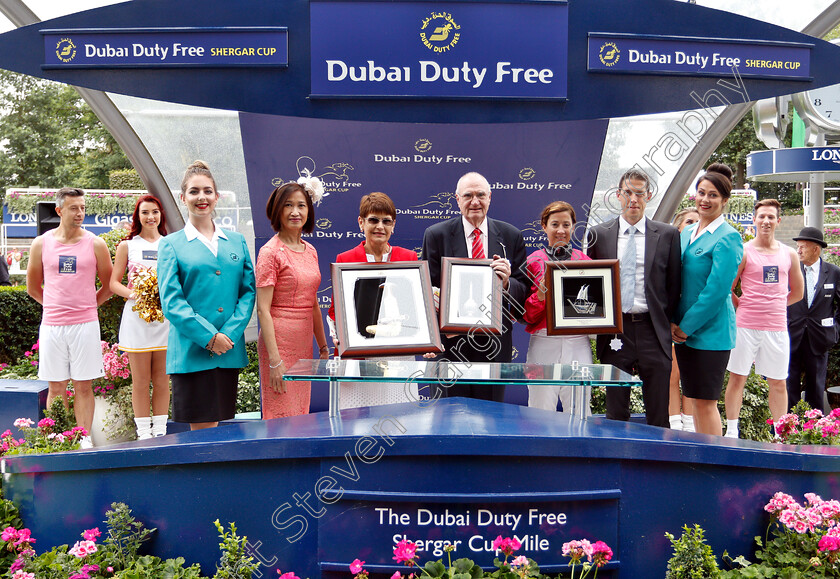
433, 50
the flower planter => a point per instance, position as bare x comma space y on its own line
104, 409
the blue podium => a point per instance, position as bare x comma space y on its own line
21, 399
312, 492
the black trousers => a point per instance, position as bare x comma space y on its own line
642, 354
815, 367
477, 348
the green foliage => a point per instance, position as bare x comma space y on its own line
9, 517
148, 566
96, 202
125, 534
125, 179
64, 417
248, 393
51, 138
234, 563
693, 557
20, 317
733, 151
787, 555
110, 313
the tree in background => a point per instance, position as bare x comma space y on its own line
49, 137
733, 151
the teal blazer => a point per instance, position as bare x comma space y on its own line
203, 295
709, 267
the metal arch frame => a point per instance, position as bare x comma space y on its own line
723, 124
20, 15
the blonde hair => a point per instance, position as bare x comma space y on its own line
197, 168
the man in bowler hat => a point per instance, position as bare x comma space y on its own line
812, 321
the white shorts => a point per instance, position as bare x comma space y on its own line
70, 352
769, 350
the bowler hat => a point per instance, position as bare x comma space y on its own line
811, 234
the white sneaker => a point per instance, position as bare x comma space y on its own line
85, 443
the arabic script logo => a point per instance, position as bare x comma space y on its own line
65, 50
527, 174
438, 32
422, 145
323, 223
609, 54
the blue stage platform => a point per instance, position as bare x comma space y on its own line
314, 493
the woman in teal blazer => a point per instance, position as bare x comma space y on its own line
207, 291
705, 330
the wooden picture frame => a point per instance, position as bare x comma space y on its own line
470, 296
583, 297
384, 309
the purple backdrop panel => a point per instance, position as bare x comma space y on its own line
418, 165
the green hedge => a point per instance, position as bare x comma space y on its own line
125, 179
20, 317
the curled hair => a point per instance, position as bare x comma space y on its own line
197, 168
136, 226
681, 215
66, 192
556, 207
720, 176
274, 206
377, 203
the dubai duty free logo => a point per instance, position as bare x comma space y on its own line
609, 54
65, 50
438, 32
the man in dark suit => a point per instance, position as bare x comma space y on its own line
649, 255
813, 321
474, 235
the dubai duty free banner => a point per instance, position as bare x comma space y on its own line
528, 165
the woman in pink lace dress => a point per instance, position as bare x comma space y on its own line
287, 282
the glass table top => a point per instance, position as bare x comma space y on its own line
430, 372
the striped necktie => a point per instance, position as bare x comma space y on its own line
477, 246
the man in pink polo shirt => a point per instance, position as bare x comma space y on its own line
63, 266
770, 281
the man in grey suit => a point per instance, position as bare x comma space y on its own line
649, 256
813, 321
476, 236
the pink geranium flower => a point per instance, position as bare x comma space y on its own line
289, 575
356, 566
404, 552
506, 545
83, 548
521, 561
577, 550
601, 553
91, 534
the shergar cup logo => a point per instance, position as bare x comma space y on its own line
422, 145
439, 32
609, 54
65, 50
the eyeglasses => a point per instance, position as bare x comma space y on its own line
387, 222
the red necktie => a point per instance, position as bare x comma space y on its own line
477, 246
